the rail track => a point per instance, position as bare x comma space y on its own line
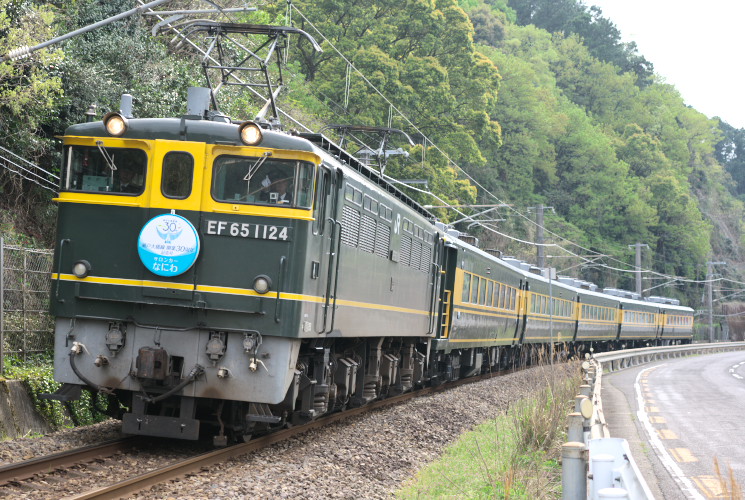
63, 460
17, 472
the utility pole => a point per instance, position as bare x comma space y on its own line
539, 235
710, 295
638, 265
539, 232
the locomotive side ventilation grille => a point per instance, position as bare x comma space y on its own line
405, 251
350, 226
382, 240
426, 258
416, 254
367, 234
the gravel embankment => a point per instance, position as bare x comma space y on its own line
369, 456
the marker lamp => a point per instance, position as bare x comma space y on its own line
81, 269
262, 284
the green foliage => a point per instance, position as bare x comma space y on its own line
515, 455
730, 152
539, 101
94, 71
30, 87
37, 374
599, 34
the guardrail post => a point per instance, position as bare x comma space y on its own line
585, 390
573, 471
575, 430
602, 473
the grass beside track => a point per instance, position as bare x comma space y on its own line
513, 456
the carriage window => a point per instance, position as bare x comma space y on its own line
261, 181
466, 287
98, 169
475, 290
178, 171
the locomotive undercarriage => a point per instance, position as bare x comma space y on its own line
328, 375
332, 375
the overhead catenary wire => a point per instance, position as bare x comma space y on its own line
466, 174
148, 7
426, 140
27, 170
630, 269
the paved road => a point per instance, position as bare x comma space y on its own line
682, 417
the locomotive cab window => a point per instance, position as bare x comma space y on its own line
322, 192
98, 169
262, 181
178, 172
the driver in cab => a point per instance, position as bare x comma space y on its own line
276, 189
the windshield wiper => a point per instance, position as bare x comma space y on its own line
106, 156
252, 170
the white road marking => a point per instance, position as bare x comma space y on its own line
734, 368
672, 467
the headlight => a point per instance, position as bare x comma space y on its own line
115, 124
250, 133
262, 284
81, 268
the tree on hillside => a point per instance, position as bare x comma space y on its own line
420, 55
29, 87
730, 152
601, 36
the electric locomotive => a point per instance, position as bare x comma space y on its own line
216, 275
190, 288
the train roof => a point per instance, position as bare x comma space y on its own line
558, 284
223, 131
190, 129
345, 158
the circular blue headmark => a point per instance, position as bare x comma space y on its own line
168, 245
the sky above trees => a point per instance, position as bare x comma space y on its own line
694, 46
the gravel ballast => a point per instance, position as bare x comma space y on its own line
368, 456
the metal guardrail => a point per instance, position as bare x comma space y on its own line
594, 465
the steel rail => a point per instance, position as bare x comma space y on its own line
196, 463
42, 465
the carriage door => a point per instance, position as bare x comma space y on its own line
326, 240
449, 259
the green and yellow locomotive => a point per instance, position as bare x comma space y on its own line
213, 271
212, 274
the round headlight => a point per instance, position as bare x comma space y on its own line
250, 133
262, 284
81, 268
115, 124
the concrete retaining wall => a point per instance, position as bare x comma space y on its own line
18, 417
